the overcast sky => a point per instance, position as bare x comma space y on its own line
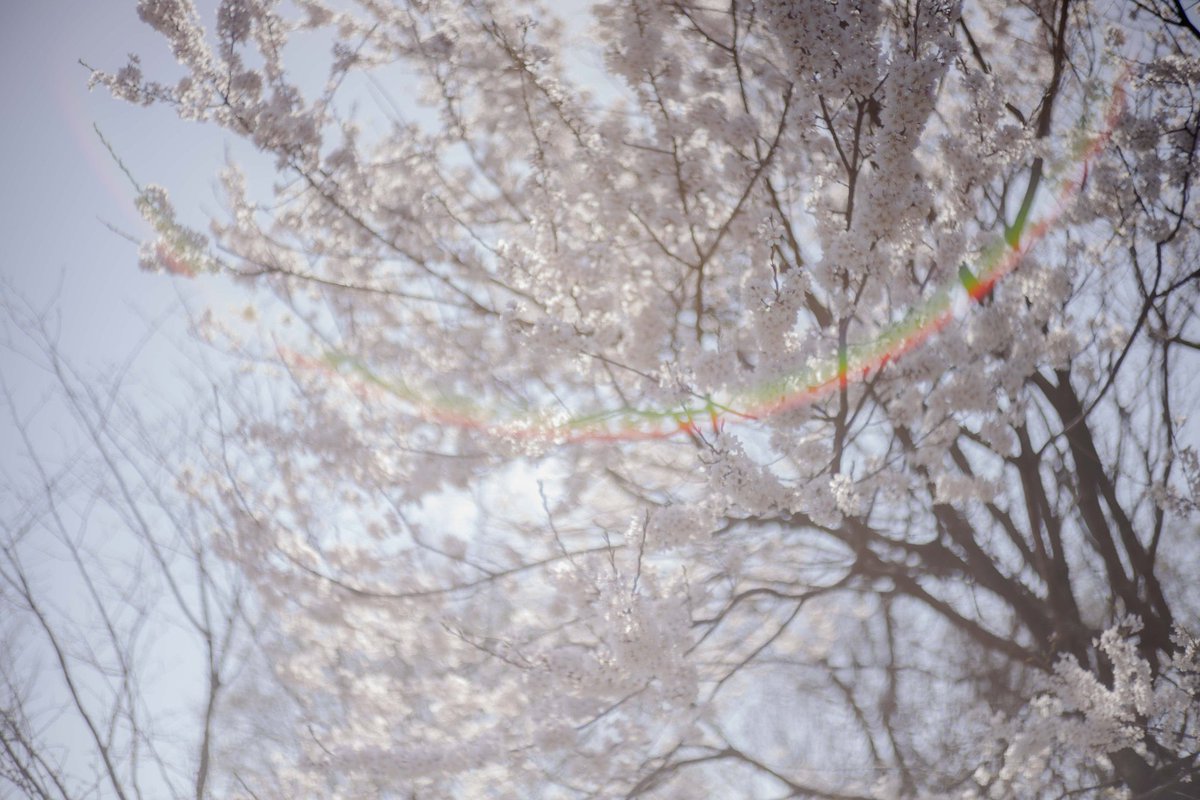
60, 185
59, 192
61, 189
61, 195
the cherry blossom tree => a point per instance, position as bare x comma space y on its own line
776, 398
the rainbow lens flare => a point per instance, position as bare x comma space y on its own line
853, 362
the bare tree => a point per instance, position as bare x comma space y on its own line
123, 629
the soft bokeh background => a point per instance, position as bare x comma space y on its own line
69, 277
62, 189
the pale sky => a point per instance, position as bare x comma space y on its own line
60, 185
61, 189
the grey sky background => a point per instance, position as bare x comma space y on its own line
60, 192
61, 184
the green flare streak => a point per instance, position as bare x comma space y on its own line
776, 395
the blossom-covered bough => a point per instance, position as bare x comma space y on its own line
969, 571
754, 403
